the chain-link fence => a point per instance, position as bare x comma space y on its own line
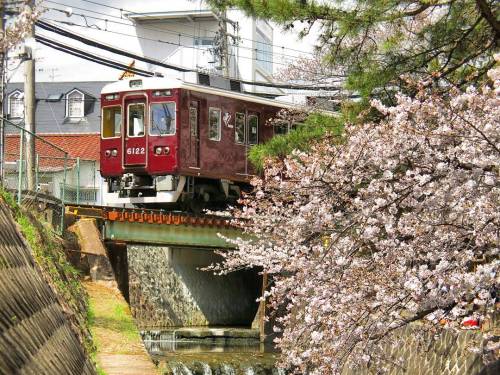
52, 172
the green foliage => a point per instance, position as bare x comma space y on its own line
315, 127
48, 252
9, 199
110, 320
377, 42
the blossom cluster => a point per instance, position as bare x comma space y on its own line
18, 29
397, 223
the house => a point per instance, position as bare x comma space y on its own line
76, 177
61, 107
67, 121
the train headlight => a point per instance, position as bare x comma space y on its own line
114, 152
107, 153
158, 150
167, 150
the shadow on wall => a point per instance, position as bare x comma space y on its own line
117, 254
167, 288
227, 298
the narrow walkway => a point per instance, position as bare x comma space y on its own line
120, 350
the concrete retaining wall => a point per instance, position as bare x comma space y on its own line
167, 289
35, 336
414, 351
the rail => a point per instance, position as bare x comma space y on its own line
151, 216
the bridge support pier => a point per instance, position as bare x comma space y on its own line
168, 289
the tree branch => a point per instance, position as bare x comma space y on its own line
487, 14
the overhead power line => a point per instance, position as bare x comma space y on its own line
122, 10
93, 43
159, 41
94, 58
168, 31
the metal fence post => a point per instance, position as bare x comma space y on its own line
93, 181
20, 168
37, 164
63, 197
78, 180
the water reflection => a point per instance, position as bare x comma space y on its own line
214, 351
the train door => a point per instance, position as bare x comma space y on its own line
135, 147
252, 135
194, 133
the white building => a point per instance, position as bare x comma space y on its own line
181, 32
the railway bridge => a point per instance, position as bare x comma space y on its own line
158, 259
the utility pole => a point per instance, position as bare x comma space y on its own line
29, 108
221, 45
225, 47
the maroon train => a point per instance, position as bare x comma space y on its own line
167, 141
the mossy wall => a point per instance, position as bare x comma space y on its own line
42, 303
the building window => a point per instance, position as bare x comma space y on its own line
111, 122
162, 119
253, 129
239, 128
214, 119
75, 104
16, 105
204, 42
264, 52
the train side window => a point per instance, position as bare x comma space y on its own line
162, 119
239, 128
281, 127
111, 122
253, 129
214, 119
193, 121
136, 120
295, 125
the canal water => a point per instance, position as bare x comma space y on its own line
210, 351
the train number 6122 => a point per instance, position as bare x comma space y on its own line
136, 151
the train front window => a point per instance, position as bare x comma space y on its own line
162, 119
135, 120
111, 121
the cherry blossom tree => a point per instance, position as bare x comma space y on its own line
311, 69
18, 28
392, 222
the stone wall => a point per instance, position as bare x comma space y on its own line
35, 333
167, 288
414, 351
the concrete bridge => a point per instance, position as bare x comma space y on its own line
158, 259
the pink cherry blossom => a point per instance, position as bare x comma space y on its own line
398, 222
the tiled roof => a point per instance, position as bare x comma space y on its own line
84, 146
51, 115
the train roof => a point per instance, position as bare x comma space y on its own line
161, 83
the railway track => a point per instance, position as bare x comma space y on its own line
148, 216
